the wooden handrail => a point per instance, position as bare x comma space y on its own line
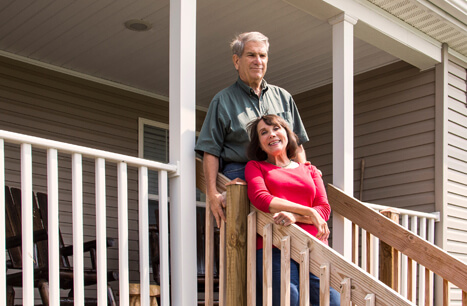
406, 242
201, 181
319, 256
362, 283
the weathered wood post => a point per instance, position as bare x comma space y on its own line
389, 257
237, 210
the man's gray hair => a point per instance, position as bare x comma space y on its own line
238, 44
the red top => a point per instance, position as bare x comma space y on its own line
302, 185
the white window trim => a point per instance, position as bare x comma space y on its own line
141, 123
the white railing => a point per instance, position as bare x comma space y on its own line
101, 158
409, 278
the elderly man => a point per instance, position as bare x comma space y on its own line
223, 138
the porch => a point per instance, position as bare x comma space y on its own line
124, 180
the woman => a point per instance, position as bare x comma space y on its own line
293, 192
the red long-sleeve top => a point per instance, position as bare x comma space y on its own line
302, 185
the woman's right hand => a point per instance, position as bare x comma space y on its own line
284, 218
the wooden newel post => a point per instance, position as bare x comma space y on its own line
237, 210
389, 257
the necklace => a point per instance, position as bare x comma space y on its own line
285, 166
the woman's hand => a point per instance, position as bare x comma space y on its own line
284, 218
321, 225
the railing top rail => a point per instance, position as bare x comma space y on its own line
201, 180
406, 242
87, 152
321, 254
412, 213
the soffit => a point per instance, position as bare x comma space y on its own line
431, 20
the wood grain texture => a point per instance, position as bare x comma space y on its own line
267, 261
346, 292
324, 281
398, 237
237, 209
251, 260
304, 279
388, 256
320, 254
285, 271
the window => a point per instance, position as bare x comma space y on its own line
153, 144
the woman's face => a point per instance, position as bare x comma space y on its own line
272, 138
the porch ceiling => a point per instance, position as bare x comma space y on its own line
89, 37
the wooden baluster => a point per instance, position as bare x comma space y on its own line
355, 243
346, 291
222, 265
324, 284
251, 260
428, 287
304, 277
370, 300
267, 265
369, 253
285, 271
445, 292
410, 279
209, 267
464, 298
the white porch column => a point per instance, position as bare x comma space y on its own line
182, 142
342, 52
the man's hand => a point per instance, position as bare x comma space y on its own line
216, 200
217, 204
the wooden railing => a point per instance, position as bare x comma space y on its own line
413, 246
237, 285
399, 272
355, 284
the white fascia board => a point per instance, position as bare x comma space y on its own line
461, 58
447, 8
380, 29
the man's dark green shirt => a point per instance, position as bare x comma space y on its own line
224, 129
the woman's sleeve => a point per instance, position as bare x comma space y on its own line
320, 202
258, 193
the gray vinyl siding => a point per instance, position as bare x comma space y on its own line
456, 174
51, 105
394, 134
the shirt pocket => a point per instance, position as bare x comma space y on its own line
287, 116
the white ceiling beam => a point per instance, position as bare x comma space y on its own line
380, 29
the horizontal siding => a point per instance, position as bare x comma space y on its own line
315, 108
456, 159
48, 104
394, 134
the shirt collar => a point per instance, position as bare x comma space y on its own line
249, 90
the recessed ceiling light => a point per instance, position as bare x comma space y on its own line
138, 25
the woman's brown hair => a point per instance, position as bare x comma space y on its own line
254, 150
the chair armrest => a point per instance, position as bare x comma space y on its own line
87, 246
15, 241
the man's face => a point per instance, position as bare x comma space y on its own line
253, 63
